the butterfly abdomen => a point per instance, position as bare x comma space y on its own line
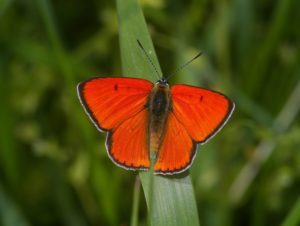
159, 104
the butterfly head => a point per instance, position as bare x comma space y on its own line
162, 83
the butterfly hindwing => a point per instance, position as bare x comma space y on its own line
177, 148
127, 143
202, 112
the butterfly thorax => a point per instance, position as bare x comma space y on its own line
159, 104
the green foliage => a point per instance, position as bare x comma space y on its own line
54, 169
170, 200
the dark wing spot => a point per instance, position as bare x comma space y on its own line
116, 87
201, 98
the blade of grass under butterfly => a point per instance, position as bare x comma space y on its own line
170, 200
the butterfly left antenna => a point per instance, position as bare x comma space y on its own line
148, 57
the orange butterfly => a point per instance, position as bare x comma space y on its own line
145, 120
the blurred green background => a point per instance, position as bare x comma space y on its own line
54, 169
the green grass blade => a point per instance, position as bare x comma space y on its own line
9, 161
173, 201
268, 47
45, 9
132, 27
293, 218
136, 199
172, 198
98, 175
10, 215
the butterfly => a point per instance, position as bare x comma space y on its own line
146, 121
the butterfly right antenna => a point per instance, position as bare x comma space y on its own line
184, 65
148, 57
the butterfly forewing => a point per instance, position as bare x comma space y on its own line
202, 112
110, 101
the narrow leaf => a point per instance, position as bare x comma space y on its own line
171, 199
